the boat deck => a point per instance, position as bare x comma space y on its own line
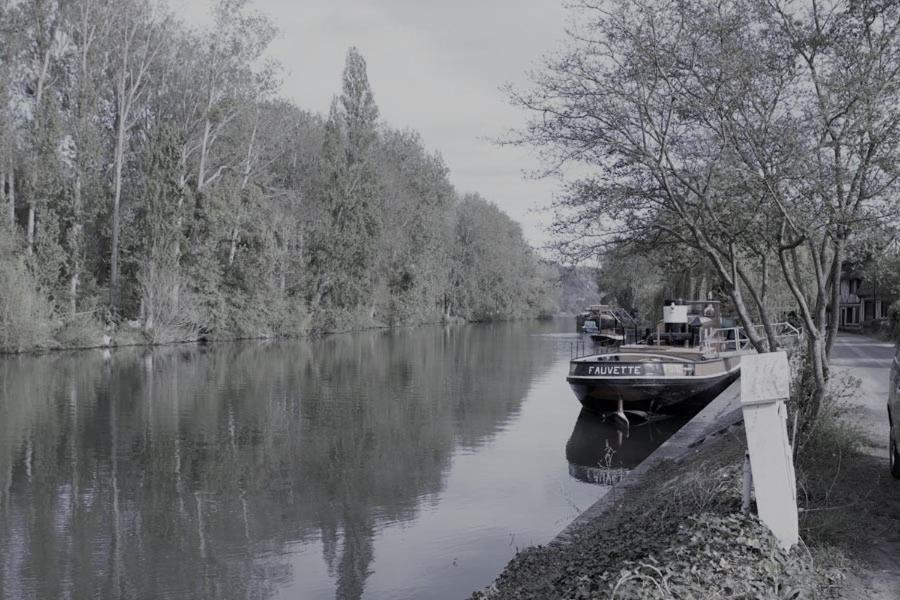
690, 353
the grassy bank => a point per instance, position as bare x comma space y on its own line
679, 532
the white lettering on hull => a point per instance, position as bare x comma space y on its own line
619, 370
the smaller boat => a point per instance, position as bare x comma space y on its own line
687, 362
606, 325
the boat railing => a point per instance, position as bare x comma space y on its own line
787, 336
582, 348
725, 339
732, 339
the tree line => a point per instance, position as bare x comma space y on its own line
155, 187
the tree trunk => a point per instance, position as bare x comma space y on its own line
12, 198
38, 100
29, 235
179, 220
75, 266
117, 194
760, 301
733, 279
245, 180
233, 249
204, 150
816, 348
835, 317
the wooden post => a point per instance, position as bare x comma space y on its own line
747, 485
765, 386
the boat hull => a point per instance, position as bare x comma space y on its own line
653, 395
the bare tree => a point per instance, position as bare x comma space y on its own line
755, 133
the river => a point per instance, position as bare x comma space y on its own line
408, 463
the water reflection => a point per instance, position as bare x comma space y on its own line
599, 449
193, 472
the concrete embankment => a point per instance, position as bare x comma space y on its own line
722, 412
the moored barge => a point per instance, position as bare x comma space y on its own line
686, 362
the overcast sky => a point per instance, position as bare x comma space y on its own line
434, 66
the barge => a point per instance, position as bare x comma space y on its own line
684, 364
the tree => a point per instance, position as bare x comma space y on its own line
411, 259
494, 273
755, 134
42, 20
89, 20
136, 39
343, 246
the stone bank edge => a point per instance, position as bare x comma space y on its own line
720, 414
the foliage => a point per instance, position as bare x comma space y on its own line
579, 288
494, 273
170, 313
716, 556
25, 315
82, 330
151, 169
827, 452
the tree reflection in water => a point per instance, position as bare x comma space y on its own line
195, 472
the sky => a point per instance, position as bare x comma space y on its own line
435, 66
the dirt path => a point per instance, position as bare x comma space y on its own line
870, 360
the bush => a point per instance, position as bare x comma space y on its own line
827, 456
25, 314
83, 330
170, 312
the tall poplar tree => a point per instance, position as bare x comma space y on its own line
345, 241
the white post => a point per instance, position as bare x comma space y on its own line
765, 385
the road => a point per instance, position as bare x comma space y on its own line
870, 360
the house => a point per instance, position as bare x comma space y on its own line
861, 302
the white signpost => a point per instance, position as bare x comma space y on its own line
765, 386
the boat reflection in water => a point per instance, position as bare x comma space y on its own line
601, 451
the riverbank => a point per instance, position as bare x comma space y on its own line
673, 527
131, 335
676, 532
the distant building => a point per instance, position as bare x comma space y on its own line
861, 302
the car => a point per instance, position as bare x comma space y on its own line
893, 409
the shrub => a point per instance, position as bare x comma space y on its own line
170, 312
83, 330
827, 457
25, 314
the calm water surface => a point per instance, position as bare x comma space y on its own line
393, 464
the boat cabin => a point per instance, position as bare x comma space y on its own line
686, 322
